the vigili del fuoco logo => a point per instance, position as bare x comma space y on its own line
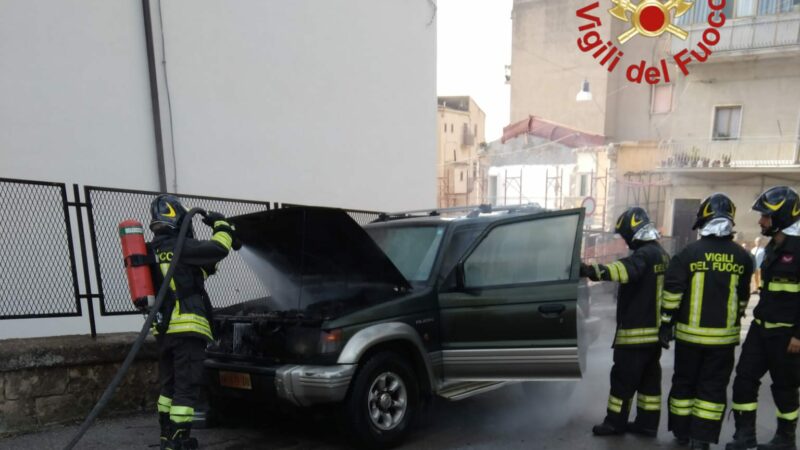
647, 18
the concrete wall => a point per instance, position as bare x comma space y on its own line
743, 190
547, 70
329, 103
269, 100
75, 95
48, 381
314, 102
767, 89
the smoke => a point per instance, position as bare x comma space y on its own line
540, 412
284, 290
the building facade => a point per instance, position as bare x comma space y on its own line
732, 124
460, 143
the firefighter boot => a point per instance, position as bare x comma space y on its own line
745, 436
166, 430
181, 437
699, 445
784, 437
615, 422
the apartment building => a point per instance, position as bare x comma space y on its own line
460, 144
731, 124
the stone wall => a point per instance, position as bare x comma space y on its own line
48, 381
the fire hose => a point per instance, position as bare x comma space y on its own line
137, 345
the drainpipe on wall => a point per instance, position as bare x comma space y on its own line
151, 66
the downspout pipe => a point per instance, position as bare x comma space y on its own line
151, 67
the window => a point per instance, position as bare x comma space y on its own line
726, 122
461, 175
745, 8
662, 99
411, 249
475, 130
445, 128
454, 155
524, 252
583, 185
451, 128
767, 7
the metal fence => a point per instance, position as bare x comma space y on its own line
38, 276
46, 238
234, 281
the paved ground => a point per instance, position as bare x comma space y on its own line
554, 416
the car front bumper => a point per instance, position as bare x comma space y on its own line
301, 385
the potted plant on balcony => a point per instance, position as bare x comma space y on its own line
705, 161
716, 163
726, 160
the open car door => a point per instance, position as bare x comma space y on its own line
513, 311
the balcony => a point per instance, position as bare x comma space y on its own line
746, 154
749, 36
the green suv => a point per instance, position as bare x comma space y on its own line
382, 317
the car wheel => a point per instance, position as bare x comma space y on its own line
382, 402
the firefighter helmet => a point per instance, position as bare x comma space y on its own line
715, 206
166, 213
631, 221
781, 204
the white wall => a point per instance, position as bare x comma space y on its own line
308, 101
74, 93
302, 101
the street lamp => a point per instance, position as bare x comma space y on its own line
584, 95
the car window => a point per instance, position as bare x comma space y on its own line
411, 249
523, 252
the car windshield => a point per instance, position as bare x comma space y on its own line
411, 249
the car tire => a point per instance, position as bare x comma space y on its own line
382, 402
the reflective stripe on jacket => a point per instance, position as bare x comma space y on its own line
187, 307
641, 278
706, 291
778, 310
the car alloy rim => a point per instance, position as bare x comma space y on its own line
387, 401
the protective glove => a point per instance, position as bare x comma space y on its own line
665, 334
237, 243
211, 217
586, 270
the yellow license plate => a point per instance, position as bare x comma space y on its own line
235, 380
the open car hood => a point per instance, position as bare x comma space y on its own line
318, 261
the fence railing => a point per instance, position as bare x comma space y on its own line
42, 233
38, 273
745, 34
730, 153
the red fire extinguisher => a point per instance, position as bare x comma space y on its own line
137, 269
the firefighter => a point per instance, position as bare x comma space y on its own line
183, 324
705, 294
773, 341
636, 348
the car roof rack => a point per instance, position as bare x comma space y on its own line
467, 211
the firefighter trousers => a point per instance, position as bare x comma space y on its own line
635, 370
762, 352
699, 390
180, 373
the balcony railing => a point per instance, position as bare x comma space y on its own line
734, 153
748, 34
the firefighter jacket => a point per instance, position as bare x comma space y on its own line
641, 277
706, 291
187, 308
778, 310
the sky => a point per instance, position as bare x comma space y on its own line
473, 47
